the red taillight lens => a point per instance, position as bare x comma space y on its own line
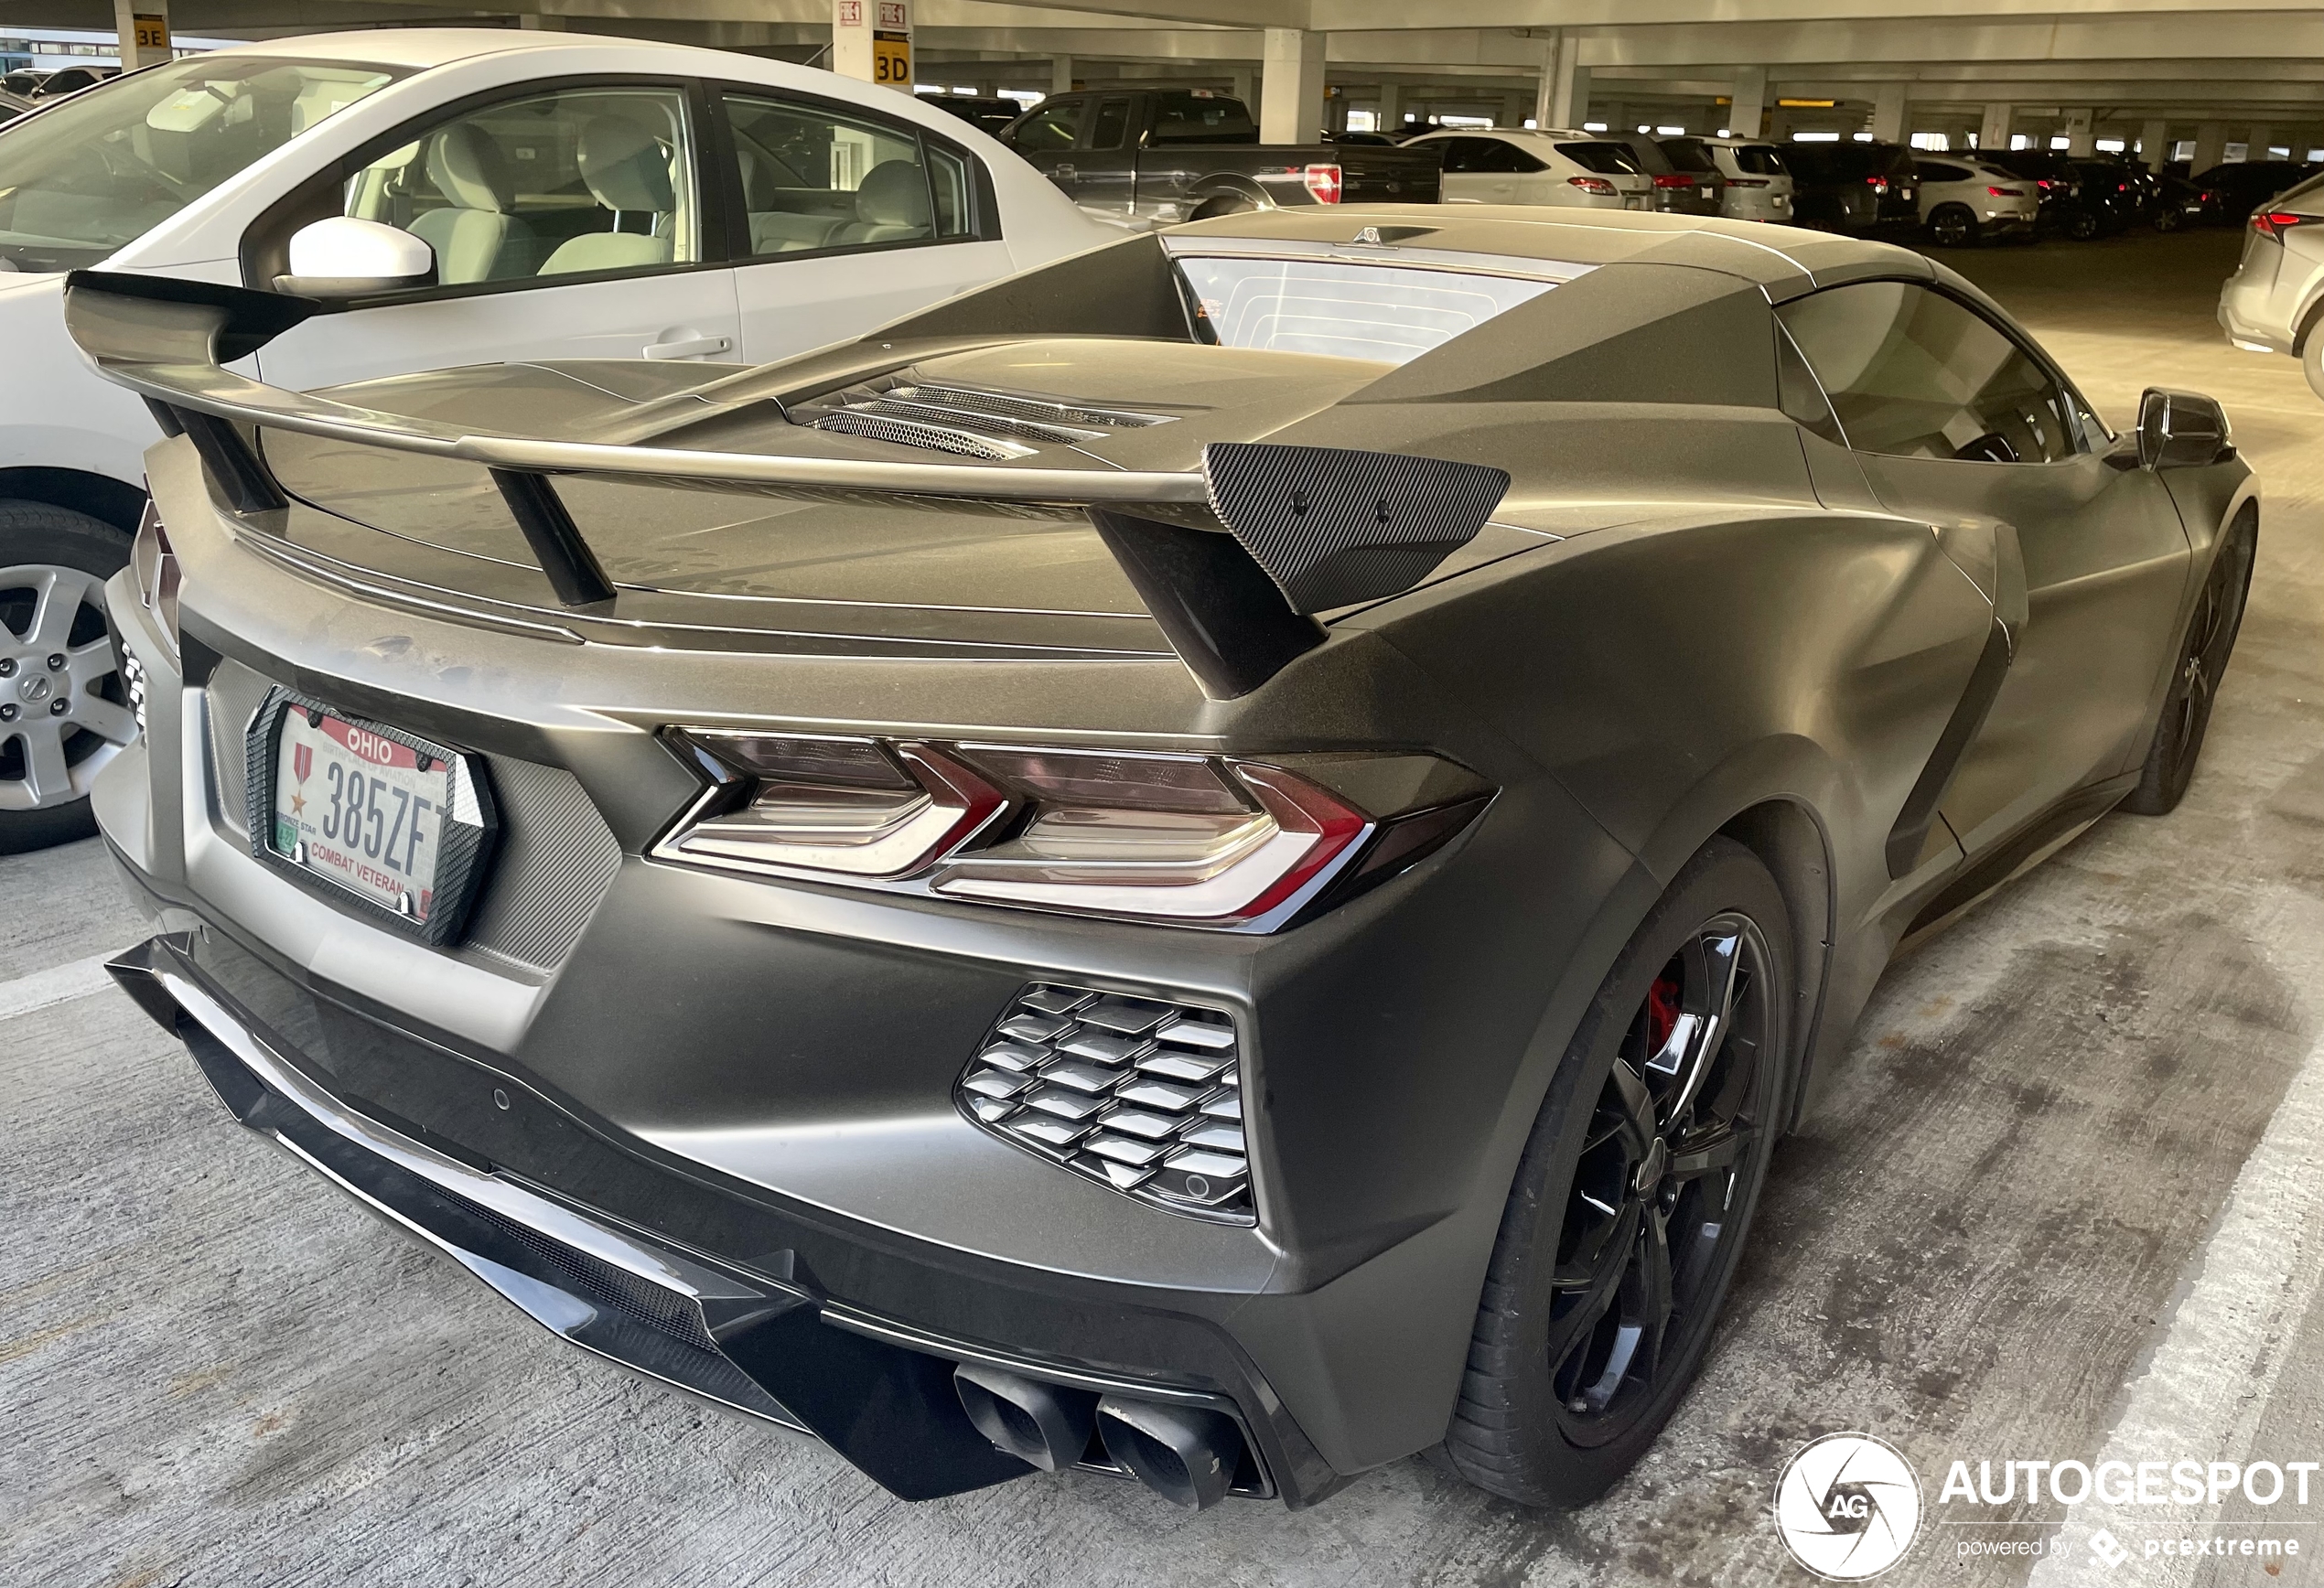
1170, 838
153, 565
1674, 179
1877, 184
2044, 182
2275, 223
1191, 840
1598, 185
1323, 183
850, 806
2007, 192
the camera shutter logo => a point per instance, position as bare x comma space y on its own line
1847, 1506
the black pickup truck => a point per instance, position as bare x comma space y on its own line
1153, 157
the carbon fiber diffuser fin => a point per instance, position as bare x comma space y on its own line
1332, 526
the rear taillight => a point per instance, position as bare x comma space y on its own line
1178, 839
1747, 181
1877, 184
1191, 839
851, 807
2007, 192
1323, 183
2275, 223
1598, 185
153, 565
1674, 179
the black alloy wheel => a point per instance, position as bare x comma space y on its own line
1953, 225
1635, 1195
2165, 214
2195, 678
1647, 1222
2080, 225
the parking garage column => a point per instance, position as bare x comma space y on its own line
1392, 107
1060, 74
2154, 144
1565, 85
2080, 135
2257, 141
1747, 104
1291, 93
1887, 111
144, 27
2211, 145
1994, 133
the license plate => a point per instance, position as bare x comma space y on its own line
369, 813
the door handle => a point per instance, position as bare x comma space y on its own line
689, 347
1066, 172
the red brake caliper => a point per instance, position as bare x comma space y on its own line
1662, 1011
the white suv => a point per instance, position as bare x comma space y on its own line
2275, 301
1963, 202
1572, 170
464, 196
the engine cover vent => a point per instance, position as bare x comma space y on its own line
1141, 1095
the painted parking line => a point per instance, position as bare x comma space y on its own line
2205, 1390
57, 985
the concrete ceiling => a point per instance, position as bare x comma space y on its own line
2124, 61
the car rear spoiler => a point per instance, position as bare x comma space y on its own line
1234, 560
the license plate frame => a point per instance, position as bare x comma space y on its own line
467, 837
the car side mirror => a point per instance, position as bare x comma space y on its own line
342, 257
2182, 430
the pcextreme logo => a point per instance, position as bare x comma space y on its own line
1847, 1506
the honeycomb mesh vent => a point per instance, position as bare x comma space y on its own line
1145, 1096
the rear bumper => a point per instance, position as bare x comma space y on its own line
767, 1339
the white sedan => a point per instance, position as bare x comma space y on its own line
467, 196
1509, 165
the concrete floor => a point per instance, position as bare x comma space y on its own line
2064, 1204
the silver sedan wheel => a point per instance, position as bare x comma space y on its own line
57, 729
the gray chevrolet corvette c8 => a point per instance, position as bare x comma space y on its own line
1221, 862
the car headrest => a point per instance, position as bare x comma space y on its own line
625, 166
466, 167
893, 193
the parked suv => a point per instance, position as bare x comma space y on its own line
1963, 200
1758, 183
1853, 187
532, 194
1575, 170
1678, 191
2275, 301
2230, 192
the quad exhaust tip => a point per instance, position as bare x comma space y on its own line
1185, 1453
1038, 1423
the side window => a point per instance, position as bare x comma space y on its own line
586, 179
1914, 374
1499, 159
1111, 122
817, 178
1050, 128
1463, 156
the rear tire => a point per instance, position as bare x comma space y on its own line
46, 546
2312, 358
2080, 225
2186, 716
1635, 1193
1953, 225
